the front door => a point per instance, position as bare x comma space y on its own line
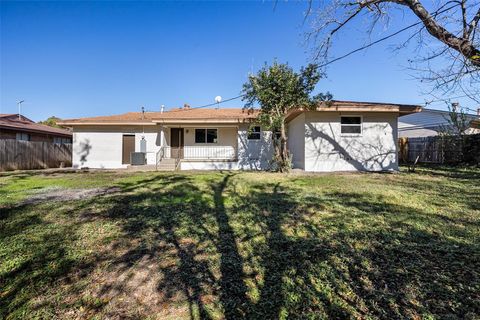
176, 142
128, 147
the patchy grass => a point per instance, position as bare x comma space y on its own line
241, 245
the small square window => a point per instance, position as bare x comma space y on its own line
200, 136
351, 125
254, 133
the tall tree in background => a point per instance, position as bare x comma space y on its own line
279, 90
447, 54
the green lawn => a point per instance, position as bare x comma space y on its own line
240, 245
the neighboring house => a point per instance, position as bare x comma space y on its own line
342, 136
21, 128
430, 122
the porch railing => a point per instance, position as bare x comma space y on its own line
197, 153
210, 152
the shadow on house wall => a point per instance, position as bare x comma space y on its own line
363, 156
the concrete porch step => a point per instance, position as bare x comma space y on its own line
166, 165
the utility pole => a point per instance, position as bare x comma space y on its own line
19, 104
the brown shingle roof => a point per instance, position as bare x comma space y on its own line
11, 121
174, 114
228, 114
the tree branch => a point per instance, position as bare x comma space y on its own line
461, 45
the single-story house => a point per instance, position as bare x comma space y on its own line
431, 122
13, 126
340, 136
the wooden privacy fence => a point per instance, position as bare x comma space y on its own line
24, 155
440, 149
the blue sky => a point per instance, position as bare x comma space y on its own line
76, 59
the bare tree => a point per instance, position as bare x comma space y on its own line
454, 24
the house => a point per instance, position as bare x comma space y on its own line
430, 122
13, 126
343, 135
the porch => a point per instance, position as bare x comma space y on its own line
197, 153
201, 144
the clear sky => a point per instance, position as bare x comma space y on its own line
76, 59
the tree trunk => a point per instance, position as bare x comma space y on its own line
285, 165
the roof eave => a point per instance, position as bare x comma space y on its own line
189, 121
108, 123
53, 133
401, 109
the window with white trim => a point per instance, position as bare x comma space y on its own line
205, 135
23, 136
351, 124
254, 133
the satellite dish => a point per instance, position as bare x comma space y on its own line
218, 99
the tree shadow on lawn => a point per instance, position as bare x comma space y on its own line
269, 250
459, 172
35, 255
333, 269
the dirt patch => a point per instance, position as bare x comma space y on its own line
61, 194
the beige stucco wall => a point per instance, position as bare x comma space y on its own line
254, 154
326, 149
296, 141
225, 136
101, 146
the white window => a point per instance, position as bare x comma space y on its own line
205, 135
254, 133
23, 136
351, 125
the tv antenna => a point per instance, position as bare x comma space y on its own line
19, 104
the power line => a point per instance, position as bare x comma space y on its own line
382, 39
343, 57
445, 100
211, 104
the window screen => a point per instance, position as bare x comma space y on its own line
205, 135
211, 135
351, 125
200, 136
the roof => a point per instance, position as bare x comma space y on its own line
475, 124
181, 115
429, 118
358, 106
12, 122
228, 115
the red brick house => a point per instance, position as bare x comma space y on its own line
13, 126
